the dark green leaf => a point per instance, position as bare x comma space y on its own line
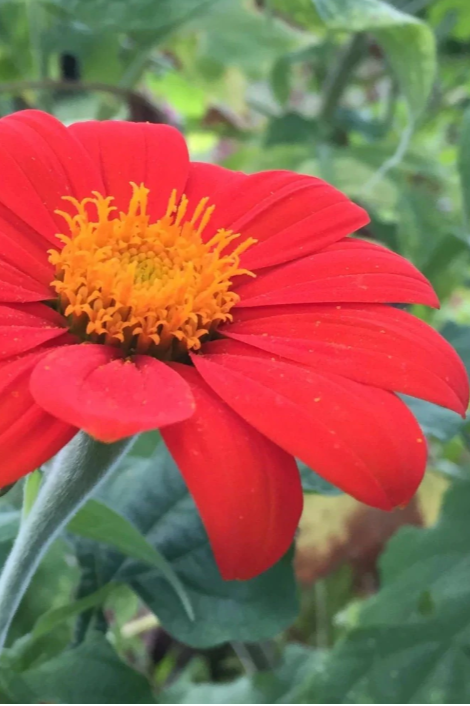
91, 673
152, 495
436, 422
283, 685
291, 129
103, 524
412, 644
9, 524
459, 337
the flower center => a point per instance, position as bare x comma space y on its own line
155, 288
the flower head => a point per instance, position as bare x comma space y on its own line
235, 313
157, 288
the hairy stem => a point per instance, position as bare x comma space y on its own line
74, 475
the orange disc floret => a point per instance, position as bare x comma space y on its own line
146, 287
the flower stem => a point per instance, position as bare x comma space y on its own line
74, 475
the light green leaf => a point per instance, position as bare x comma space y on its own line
160, 16
101, 523
32, 483
56, 616
408, 43
464, 164
233, 34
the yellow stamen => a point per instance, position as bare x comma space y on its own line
153, 288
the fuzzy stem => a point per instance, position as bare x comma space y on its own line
73, 477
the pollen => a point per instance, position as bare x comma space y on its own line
159, 288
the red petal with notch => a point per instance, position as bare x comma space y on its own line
373, 344
29, 436
247, 489
27, 326
349, 271
290, 215
94, 388
154, 155
363, 440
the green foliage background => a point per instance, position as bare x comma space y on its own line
128, 606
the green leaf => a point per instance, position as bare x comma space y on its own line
91, 673
160, 16
408, 43
9, 524
455, 14
300, 12
436, 422
285, 684
291, 129
235, 34
56, 616
50, 589
412, 643
99, 522
459, 337
151, 493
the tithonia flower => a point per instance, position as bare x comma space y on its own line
234, 312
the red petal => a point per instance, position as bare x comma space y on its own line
43, 163
361, 439
209, 180
27, 326
15, 286
290, 215
349, 271
29, 436
373, 344
95, 389
154, 155
247, 489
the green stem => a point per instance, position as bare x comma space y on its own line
73, 477
339, 76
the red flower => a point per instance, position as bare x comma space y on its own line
140, 291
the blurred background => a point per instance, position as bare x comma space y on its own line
371, 96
